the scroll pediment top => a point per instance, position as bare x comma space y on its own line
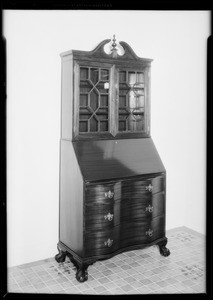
113, 49
109, 49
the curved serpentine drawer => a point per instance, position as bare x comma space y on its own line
102, 216
102, 242
107, 215
109, 204
142, 232
113, 191
142, 208
102, 193
141, 186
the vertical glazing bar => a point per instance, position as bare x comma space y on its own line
113, 100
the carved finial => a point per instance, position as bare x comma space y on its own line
113, 49
114, 43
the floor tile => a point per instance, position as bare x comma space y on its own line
142, 271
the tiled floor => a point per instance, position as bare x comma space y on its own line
142, 271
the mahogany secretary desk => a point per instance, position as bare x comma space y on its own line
112, 180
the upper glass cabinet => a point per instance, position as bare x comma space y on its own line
110, 93
94, 100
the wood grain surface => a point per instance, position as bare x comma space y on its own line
124, 235
71, 199
101, 160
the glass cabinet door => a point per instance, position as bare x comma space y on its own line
93, 100
110, 102
131, 116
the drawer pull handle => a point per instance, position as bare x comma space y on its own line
108, 243
149, 232
109, 194
149, 188
149, 209
108, 217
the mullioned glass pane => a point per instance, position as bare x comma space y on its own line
94, 75
84, 100
83, 126
122, 76
122, 126
104, 126
104, 74
104, 100
93, 100
131, 78
84, 73
93, 124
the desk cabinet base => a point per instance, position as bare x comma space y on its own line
83, 264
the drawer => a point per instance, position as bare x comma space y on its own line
102, 242
142, 232
156, 229
101, 216
144, 186
141, 207
107, 215
134, 208
102, 193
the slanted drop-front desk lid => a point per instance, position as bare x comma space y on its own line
112, 159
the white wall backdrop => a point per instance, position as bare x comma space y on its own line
176, 40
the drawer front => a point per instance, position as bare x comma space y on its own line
106, 216
134, 233
109, 192
142, 232
103, 212
156, 229
145, 187
142, 207
102, 193
102, 242
101, 216
134, 208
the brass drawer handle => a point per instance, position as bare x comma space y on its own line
108, 243
109, 194
149, 232
149, 209
149, 188
108, 217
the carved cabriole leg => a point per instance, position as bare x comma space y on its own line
81, 269
60, 257
73, 260
162, 247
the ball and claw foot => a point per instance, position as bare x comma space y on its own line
164, 251
81, 269
82, 275
60, 257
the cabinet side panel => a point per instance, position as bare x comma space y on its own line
71, 199
66, 98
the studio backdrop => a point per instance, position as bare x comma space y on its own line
177, 43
